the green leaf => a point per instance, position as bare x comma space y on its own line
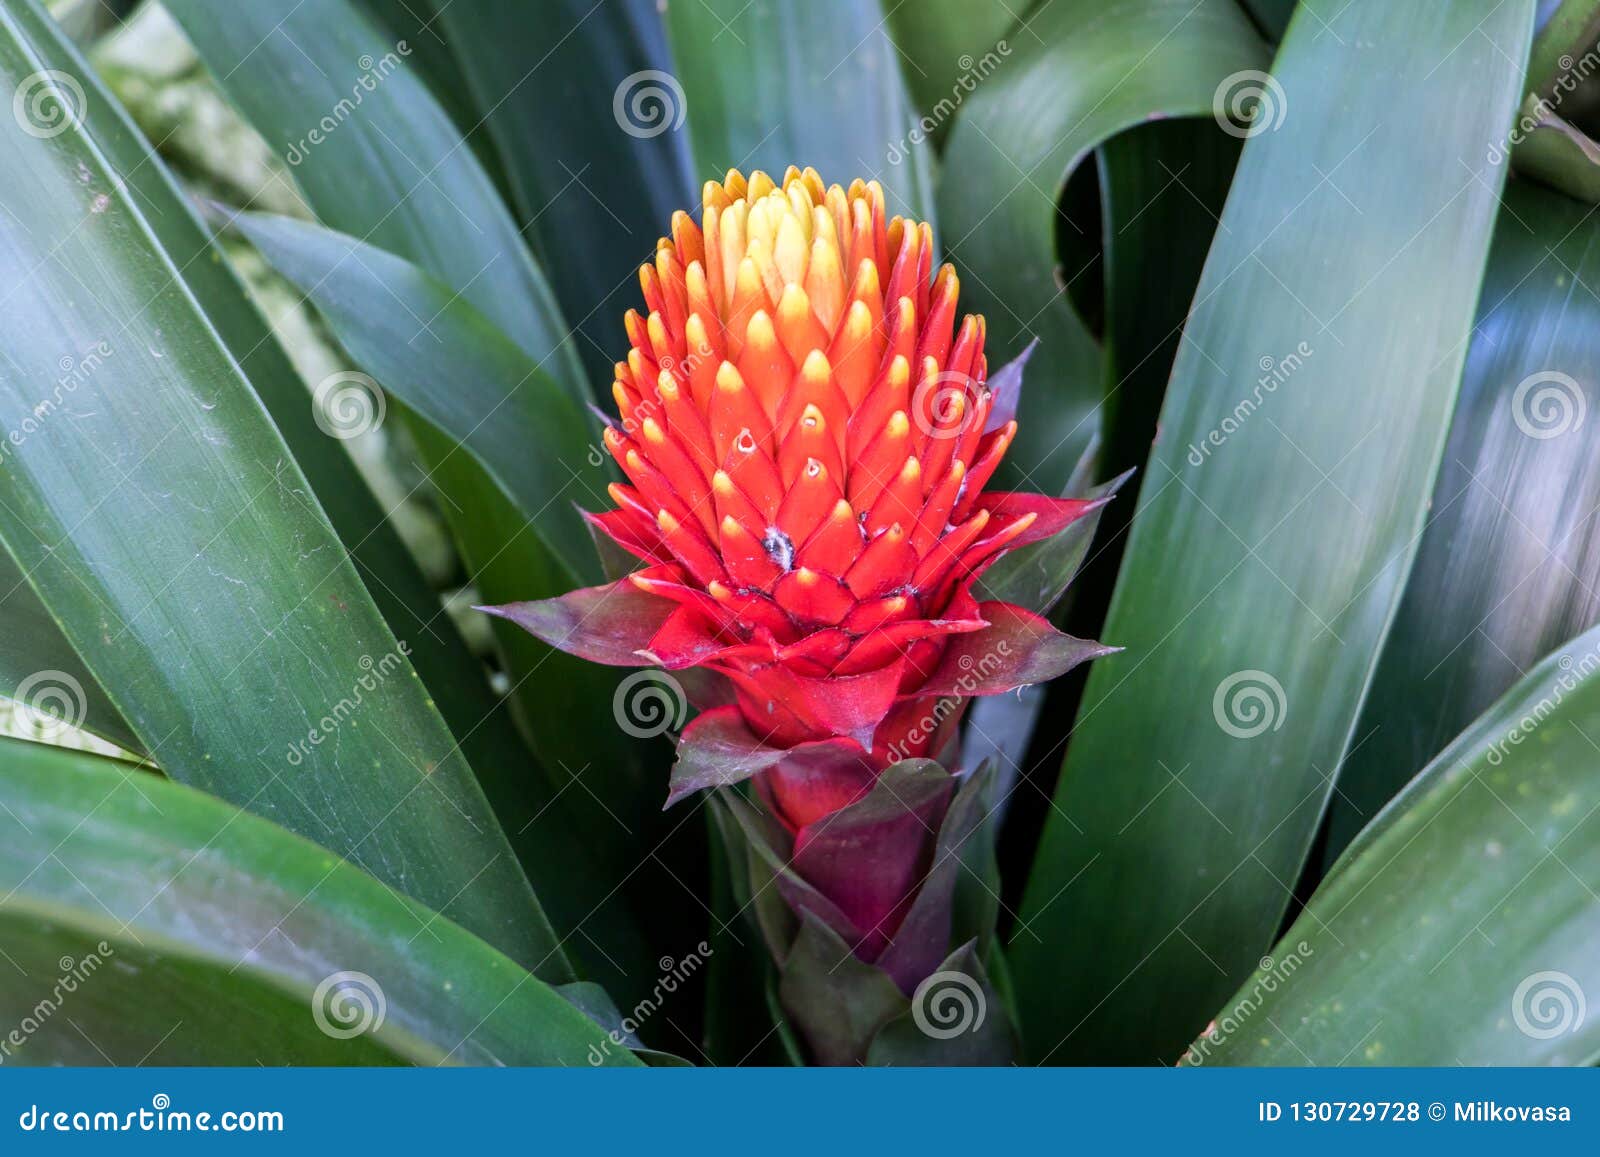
773, 83
1503, 572
1461, 927
159, 926
377, 156
1090, 69
457, 371
593, 188
1349, 254
171, 535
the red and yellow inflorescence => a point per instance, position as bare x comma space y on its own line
807, 433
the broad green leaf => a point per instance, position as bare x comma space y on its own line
773, 83
164, 524
154, 925
377, 156
1461, 927
457, 370
1089, 70
1505, 569
1275, 528
454, 677
487, 399
594, 175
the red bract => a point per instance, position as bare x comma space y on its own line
807, 432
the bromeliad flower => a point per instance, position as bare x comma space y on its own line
807, 434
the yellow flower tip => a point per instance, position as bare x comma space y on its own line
722, 484
899, 426
728, 379
815, 370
